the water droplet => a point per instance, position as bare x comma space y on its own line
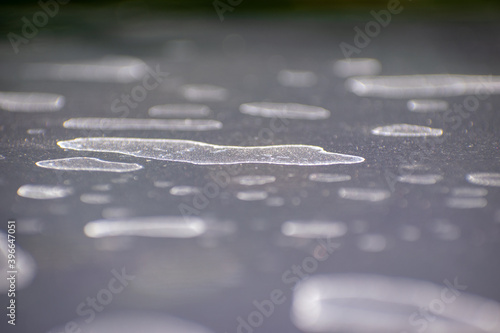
328, 177
252, 195
88, 164
356, 66
163, 183
95, 198
31, 102
468, 192
297, 79
427, 105
203, 93
420, 179
423, 86
155, 226
36, 131
142, 124
184, 190
406, 130
44, 191
101, 187
275, 201
179, 110
314, 229
284, 110
364, 194
466, 203
206, 154
484, 178
119, 69
254, 180
335, 303
372, 242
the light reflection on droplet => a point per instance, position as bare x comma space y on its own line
156, 226
484, 178
119, 69
313, 229
252, 195
466, 203
328, 177
31, 102
179, 110
44, 191
335, 303
364, 194
427, 105
142, 124
101, 187
406, 130
251, 180
162, 183
95, 198
420, 179
284, 110
469, 192
36, 131
184, 190
423, 86
203, 93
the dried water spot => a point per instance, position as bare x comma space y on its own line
205, 154
88, 164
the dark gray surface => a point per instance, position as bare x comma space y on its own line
212, 282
